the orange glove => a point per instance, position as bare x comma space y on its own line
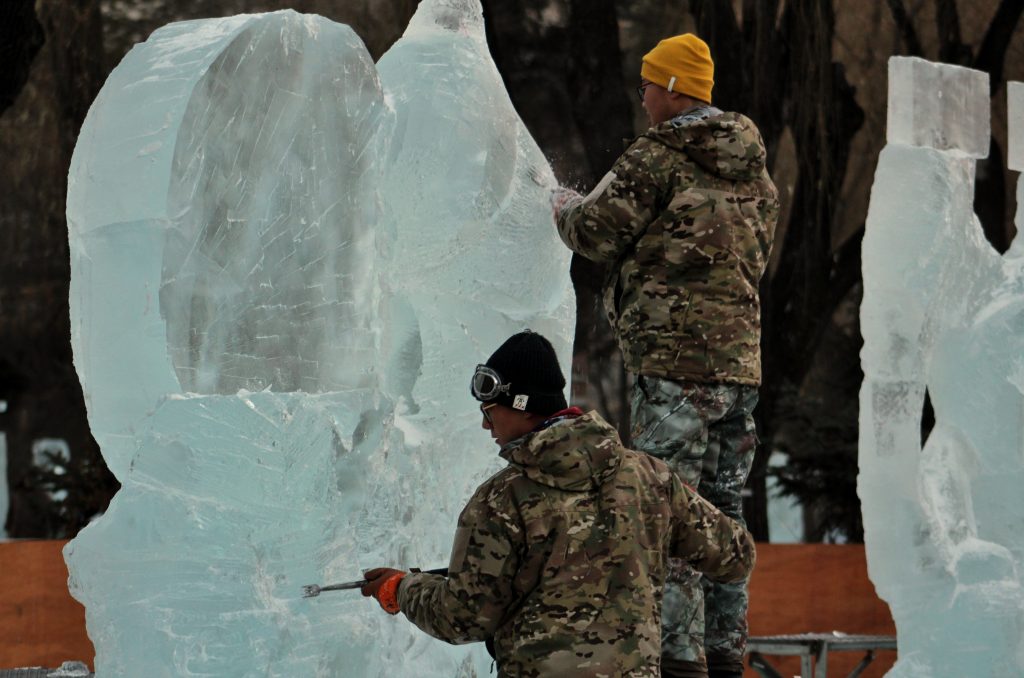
382, 583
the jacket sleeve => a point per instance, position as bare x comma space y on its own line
605, 224
712, 542
474, 600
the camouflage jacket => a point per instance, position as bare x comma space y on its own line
685, 220
560, 557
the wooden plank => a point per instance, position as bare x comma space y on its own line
40, 623
817, 588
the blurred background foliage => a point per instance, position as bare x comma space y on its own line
811, 73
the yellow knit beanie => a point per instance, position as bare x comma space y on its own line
681, 64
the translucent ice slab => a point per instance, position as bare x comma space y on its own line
284, 268
943, 108
943, 313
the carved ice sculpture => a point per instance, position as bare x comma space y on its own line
943, 314
285, 265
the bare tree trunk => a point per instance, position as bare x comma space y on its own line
755, 60
40, 384
21, 36
991, 55
564, 75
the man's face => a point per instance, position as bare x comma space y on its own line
504, 423
660, 104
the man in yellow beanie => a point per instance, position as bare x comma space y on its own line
685, 221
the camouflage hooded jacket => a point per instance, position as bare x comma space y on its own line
560, 557
685, 219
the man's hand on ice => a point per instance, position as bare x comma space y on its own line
561, 197
382, 583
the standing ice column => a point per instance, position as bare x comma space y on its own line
942, 316
477, 255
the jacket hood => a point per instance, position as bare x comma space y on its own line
577, 455
725, 144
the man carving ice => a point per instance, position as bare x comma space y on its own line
685, 221
560, 557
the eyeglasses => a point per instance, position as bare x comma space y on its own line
487, 415
486, 384
641, 88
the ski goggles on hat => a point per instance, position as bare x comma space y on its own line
487, 384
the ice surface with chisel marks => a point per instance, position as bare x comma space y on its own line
286, 261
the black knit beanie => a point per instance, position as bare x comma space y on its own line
527, 362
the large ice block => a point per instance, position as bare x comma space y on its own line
283, 274
237, 278
938, 106
942, 317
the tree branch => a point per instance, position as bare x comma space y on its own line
906, 27
952, 50
992, 53
21, 36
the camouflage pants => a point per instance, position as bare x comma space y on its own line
705, 432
